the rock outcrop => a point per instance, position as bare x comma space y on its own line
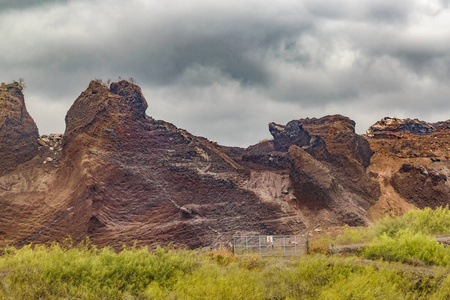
411, 163
423, 186
118, 176
328, 161
396, 128
123, 177
18, 132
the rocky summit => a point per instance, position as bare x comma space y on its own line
118, 176
18, 132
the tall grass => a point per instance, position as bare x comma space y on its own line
56, 272
50, 272
86, 272
427, 221
408, 239
408, 247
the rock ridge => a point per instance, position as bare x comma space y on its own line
18, 132
118, 176
394, 127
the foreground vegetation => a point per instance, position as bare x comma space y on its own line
403, 261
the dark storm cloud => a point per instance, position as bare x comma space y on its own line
164, 66
224, 69
370, 10
21, 4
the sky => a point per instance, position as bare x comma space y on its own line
225, 69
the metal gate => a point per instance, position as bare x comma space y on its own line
270, 245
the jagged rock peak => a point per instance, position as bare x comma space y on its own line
393, 127
18, 131
317, 126
334, 134
132, 95
99, 103
300, 132
291, 134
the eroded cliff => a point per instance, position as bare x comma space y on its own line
118, 176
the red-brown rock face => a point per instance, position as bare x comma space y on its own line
394, 127
327, 169
119, 176
411, 162
18, 132
424, 186
123, 176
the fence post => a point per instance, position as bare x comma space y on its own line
295, 246
259, 244
234, 245
306, 237
246, 243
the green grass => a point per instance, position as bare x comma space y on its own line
87, 272
403, 261
408, 247
427, 221
407, 239
57, 273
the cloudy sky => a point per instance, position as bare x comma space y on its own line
225, 69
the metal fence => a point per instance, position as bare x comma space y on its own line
270, 245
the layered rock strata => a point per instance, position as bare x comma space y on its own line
18, 132
411, 163
119, 176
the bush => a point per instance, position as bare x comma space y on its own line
44, 272
408, 247
427, 221
370, 284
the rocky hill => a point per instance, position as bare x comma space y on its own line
119, 176
18, 132
411, 164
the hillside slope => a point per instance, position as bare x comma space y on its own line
119, 176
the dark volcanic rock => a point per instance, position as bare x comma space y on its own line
424, 186
326, 160
18, 132
264, 153
106, 112
394, 127
323, 138
407, 154
327, 194
126, 177
119, 176
291, 134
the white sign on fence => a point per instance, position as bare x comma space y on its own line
270, 239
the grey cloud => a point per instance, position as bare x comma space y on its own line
445, 3
161, 49
225, 69
425, 62
164, 66
21, 4
383, 11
